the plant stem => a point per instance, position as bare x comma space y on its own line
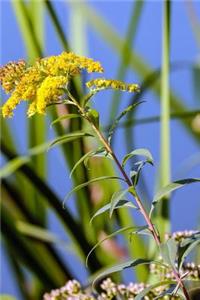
152, 229
155, 234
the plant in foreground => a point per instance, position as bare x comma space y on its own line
48, 82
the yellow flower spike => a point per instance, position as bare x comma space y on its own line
49, 92
102, 83
10, 105
42, 82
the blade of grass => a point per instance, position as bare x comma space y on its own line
57, 25
25, 251
165, 161
73, 228
30, 19
18, 201
126, 55
37, 124
18, 272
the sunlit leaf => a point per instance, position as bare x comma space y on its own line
170, 188
169, 251
121, 115
108, 237
13, 165
82, 159
7, 297
79, 187
116, 197
186, 246
145, 291
65, 117
141, 152
120, 204
40, 234
68, 138
121, 267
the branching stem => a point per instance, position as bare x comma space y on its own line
152, 229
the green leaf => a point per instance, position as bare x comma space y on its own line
142, 230
40, 233
170, 188
145, 291
106, 238
132, 29
186, 246
80, 186
169, 252
170, 291
141, 152
13, 165
65, 117
116, 121
121, 267
39, 149
93, 116
82, 159
7, 297
120, 204
116, 197
165, 160
68, 138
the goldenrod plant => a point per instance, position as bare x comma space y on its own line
47, 82
73, 118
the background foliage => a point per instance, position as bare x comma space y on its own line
44, 243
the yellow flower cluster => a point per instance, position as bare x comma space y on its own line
10, 75
42, 83
49, 92
102, 83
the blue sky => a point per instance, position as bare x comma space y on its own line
185, 203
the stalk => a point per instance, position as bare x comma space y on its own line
152, 229
141, 207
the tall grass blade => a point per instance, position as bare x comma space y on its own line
126, 55
165, 162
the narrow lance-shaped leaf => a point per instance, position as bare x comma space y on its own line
141, 152
7, 297
40, 233
186, 247
65, 117
170, 188
93, 153
170, 291
116, 197
169, 252
121, 267
99, 153
68, 138
80, 186
88, 154
13, 165
121, 230
122, 114
120, 204
146, 290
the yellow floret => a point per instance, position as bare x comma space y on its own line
10, 75
49, 92
10, 105
42, 83
102, 83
